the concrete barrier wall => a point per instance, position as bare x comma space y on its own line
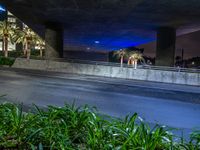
111, 71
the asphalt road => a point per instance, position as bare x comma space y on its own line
167, 104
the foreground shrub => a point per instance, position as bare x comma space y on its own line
71, 127
6, 61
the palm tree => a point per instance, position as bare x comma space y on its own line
39, 42
25, 37
6, 32
135, 57
120, 54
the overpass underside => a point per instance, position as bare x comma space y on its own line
109, 24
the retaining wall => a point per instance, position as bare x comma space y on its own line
111, 71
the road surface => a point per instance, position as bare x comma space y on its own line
167, 104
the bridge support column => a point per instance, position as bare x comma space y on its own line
54, 41
165, 52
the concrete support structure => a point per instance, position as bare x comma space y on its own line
149, 74
54, 41
165, 52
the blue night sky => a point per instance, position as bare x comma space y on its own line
2, 8
107, 43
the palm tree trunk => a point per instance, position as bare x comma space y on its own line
28, 51
25, 49
129, 61
6, 40
122, 58
41, 51
135, 64
6, 46
3, 45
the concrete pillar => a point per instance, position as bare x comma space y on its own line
165, 52
54, 41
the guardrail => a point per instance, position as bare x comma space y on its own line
93, 68
143, 66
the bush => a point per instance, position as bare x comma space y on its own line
15, 54
35, 52
71, 128
6, 61
20, 53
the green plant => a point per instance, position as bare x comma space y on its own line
15, 54
6, 61
134, 57
25, 37
121, 54
195, 136
15, 126
70, 127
